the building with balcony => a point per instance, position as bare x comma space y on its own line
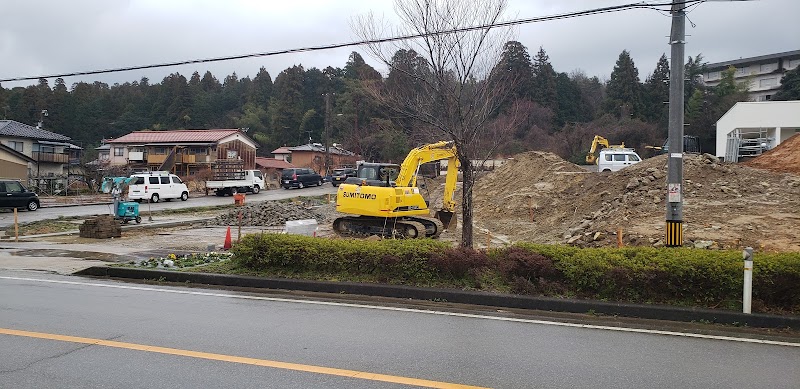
183, 152
52, 156
763, 72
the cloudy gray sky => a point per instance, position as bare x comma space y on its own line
39, 37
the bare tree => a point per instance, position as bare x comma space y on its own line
455, 94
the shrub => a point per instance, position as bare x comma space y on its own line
458, 263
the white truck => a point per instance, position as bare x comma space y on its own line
241, 182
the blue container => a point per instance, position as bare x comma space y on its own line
128, 209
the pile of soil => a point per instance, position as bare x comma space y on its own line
785, 158
539, 197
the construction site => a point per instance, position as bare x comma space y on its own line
538, 197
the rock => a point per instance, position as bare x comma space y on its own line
573, 239
703, 244
658, 243
632, 184
169, 263
597, 236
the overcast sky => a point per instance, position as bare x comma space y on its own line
40, 37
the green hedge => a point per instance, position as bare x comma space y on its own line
708, 278
399, 260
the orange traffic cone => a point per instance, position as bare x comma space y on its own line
227, 244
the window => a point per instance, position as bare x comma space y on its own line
619, 157
18, 146
160, 150
165, 180
118, 151
257, 173
768, 67
793, 64
13, 187
714, 75
153, 180
608, 157
741, 71
47, 149
138, 181
633, 158
767, 97
176, 180
768, 82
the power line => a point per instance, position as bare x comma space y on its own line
539, 19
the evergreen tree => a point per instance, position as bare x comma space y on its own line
515, 66
706, 106
286, 107
623, 91
656, 95
790, 86
543, 88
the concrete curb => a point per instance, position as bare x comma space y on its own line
171, 223
659, 312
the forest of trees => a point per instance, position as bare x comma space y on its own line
561, 111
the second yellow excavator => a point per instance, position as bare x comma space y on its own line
591, 157
383, 199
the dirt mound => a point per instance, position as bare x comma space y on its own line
784, 158
539, 197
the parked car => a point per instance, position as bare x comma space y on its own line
14, 195
299, 178
340, 175
155, 186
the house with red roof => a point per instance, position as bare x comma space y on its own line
192, 150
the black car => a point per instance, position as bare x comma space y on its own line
14, 195
340, 175
299, 178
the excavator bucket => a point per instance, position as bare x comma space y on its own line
449, 219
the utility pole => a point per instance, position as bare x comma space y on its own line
677, 39
327, 130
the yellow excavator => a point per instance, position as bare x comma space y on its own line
591, 157
383, 199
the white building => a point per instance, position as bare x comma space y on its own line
764, 71
750, 128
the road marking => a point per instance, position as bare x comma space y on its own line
242, 360
415, 310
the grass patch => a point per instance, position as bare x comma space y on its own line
44, 227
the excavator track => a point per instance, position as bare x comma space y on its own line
363, 226
433, 226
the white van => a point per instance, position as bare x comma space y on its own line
155, 186
613, 159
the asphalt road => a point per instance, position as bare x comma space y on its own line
196, 200
179, 337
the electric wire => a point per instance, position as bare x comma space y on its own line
538, 19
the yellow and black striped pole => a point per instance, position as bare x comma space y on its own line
674, 233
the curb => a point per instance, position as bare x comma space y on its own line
658, 312
124, 227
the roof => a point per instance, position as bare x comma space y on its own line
21, 130
281, 150
175, 136
321, 149
272, 163
15, 152
767, 57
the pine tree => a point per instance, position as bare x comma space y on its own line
624, 91
656, 95
790, 86
543, 89
515, 66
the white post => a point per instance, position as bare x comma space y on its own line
747, 296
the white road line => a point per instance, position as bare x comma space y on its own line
414, 310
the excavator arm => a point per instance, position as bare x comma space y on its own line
409, 170
591, 158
